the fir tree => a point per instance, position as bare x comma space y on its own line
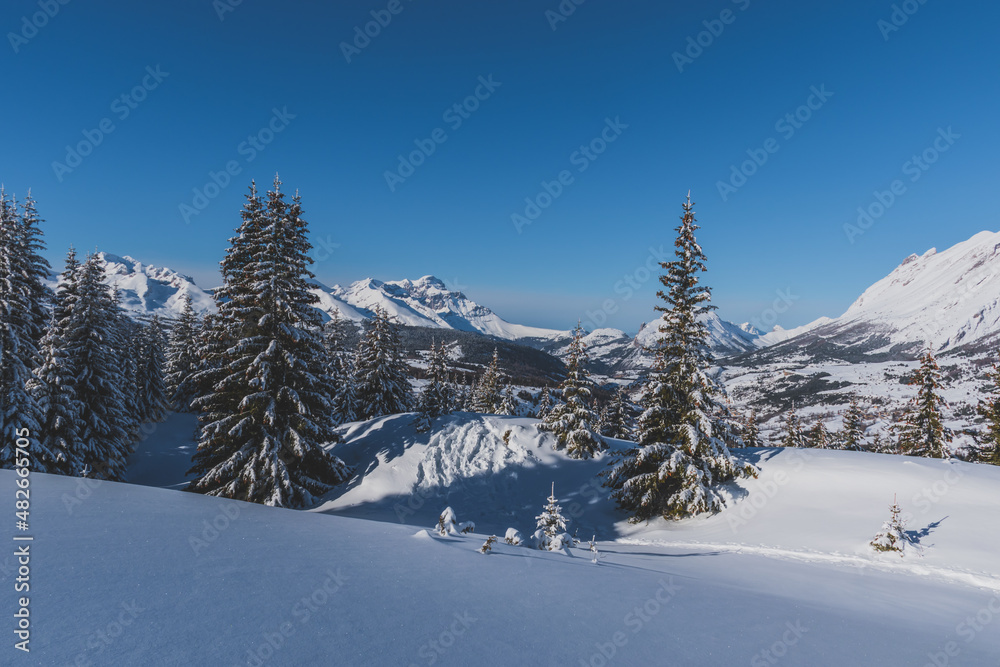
818, 437
487, 394
103, 421
341, 370
751, 431
922, 432
54, 382
508, 404
551, 524
617, 421
573, 422
682, 455
544, 403
381, 375
22, 302
182, 358
793, 431
436, 397
892, 537
852, 436
269, 415
151, 384
989, 409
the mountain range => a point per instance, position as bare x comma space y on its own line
949, 301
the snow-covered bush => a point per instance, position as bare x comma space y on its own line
513, 537
488, 545
467, 527
447, 522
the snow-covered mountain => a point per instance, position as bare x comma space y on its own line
147, 290
943, 300
426, 302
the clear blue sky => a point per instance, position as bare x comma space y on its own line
783, 230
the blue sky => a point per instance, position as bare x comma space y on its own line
208, 85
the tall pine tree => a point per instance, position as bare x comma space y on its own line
989, 409
922, 432
380, 373
182, 358
486, 396
682, 456
104, 420
23, 300
269, 415
573, 422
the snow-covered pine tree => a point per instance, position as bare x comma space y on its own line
682, 454
508, 404
265, 425
573, 422
182, 358
989, 409
486, 396
35, 267
818, 437
617, 422
892, 537
381, 374
126, 340
544, 403
751, 431
341, 370
436, 397
93, 352
922, 432
54, 382
551, 525
852, 435
151, 385
793, 431
23, 299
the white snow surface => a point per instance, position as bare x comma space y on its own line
786, 568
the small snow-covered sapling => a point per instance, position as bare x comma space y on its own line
488, 545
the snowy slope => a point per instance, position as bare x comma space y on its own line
784, 569
941, 299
